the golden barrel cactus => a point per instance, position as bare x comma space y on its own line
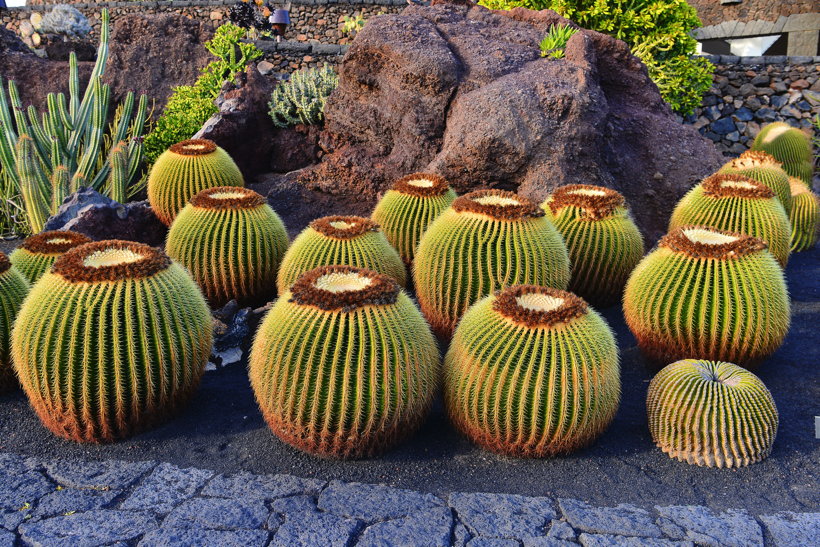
762, 167
805, 217
790, 146
13, 289
38, 253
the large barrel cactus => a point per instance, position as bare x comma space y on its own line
38, 253
603, 242
711, 414
736, 203
340, 240
532, 371
13, 289
232, 243
764, 168
486, 241
790, 146
113, 340
344, 365
184, 170
708, 293
805, 216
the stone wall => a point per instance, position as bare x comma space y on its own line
713, 12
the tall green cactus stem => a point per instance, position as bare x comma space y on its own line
486, 241
302, 98
61, 184
764, 168
805, 217
344, 365
340, 240
711, 414
13, 290
33, 183
409, 207
789, 145
232, 243
711, 293
186, 169
38, 253
603, 242
118, 177
737, 204
532, 372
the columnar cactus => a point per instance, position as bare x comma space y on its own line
344, 365
603, 242
13, 289
486, 241
344, 241
737, 203
711, 414
184, 170
113, 340
532, 371
764, 168
232, 243
409, 207
805, 217
790, 146
711, 293
38, 253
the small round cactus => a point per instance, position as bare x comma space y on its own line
764, 168
603, 242
805, 217
486, 241
789, 145
184, 170
13, 289
408, 209
712, 414
711, 293
343, 241
737, 203
113, 340
344, 365
532, 371
232, 243
38, 253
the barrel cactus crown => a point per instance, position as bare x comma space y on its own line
409, 207
13, 289
737, 203
113, 340
344, 241
788, 145
805, 216
38, 253
603, 242
532, 371
485, 241
184, 170
711, 414
232, 243
344, 365
762, 167
706, 292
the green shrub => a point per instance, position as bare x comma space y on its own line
302, 98
556, 40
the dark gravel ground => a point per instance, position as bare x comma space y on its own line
223, 430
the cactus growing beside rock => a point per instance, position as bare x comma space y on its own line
13, 289
764, 168
790, 146
805, 216
38, 253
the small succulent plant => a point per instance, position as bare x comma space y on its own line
764, 168
13, 289
38, 253
805, 216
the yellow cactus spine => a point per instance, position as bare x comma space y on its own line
13, 289
805, 217
38, 253
762, 167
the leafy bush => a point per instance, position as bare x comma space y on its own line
302, 98
556, 40
352, 25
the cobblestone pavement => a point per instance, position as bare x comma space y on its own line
69, 502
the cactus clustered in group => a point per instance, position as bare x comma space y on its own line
790, 146
805, 216
111, 341
38, 253
764, 168
344, 364
13, 289
713, 414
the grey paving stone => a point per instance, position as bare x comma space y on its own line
315, 530
545, 541
267, 487
670, 529
609, 540
88, 529
6, 539
71, 500
493, 542
18, 490
111, 474
793, 529
10, 520
204, 538
430, 528
166, 487
561, 530
626, 520
218, 514
12, 464
294, 504
704, 527
460, 535
503, 515
373, 502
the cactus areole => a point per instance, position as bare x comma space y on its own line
538, 306
38, 253
343, 288
597, 202
344, 227
110, 261
194, 147
421, 185
497, 205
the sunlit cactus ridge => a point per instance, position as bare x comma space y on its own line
805, 216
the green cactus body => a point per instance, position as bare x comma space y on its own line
803, 171
789, 145
344, 241
409, 207
486, 241
737, 204
186, 169
711, 414
532, 372
232, 243
344, 365
13, 289
805, 217
603, 242
762, 167
711, 293
113, 340
37, 253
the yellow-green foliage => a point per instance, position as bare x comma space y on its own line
533, 372
790, 146
485, 241
708, 293
13, 289
186, 169
409, 207
344, 364
232, 243
340, 240
737, 204
38, 253
711, 413
764, 168
113, 340
805, 217
603, 242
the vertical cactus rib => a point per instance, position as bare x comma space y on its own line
13, 290
33, 183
